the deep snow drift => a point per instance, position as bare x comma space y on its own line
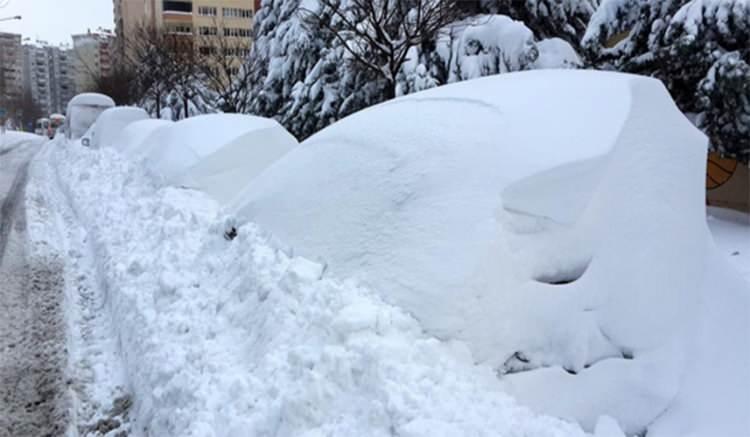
240, 338
552, 220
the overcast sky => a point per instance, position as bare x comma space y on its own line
56, 20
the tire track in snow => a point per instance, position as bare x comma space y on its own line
32, 334
101, 399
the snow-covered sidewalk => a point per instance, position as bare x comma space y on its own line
237, 338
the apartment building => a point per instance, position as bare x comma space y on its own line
130, 15
212, 25
11, 68
93, 55
37, 74
62, 77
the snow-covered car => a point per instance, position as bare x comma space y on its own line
218, 154
554, 221
56, 121
141, 136
110, 124
41, 126
83, 110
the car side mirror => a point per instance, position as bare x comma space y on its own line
86, 142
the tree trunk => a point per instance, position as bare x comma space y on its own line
390, 90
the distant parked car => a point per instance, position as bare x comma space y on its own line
41, 126
83, 111
55, 122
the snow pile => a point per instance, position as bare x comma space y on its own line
492, 44
218, 153
12, 139
110, 124
481, 46
556, 53
552, 220
239, 338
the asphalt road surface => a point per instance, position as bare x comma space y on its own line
32, 335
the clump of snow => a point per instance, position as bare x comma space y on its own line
593, 295
493, 44
218, 153
239, 338
556, 53
110, 124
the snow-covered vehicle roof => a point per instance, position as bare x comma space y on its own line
111, 122
92, 99
218, 153
83, 110
552, 220
135, 140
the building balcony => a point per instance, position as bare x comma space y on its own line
177, 7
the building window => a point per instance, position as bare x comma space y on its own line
236, 31
208, 31
237, 13
181, 29
240, 52
207, 11
175, 6
205, 50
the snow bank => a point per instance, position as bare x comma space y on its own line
240, 338
552, 220
11, 139
111, 123
219, 153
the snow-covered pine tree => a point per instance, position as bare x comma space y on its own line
301, 75
698, 48
566, 19
482, 45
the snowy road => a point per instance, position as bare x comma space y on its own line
32, 346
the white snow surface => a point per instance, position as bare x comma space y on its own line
218, 154
552, 220
11, 139
240, 338
110, 124
92, 99
135, 139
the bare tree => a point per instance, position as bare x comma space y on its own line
151, 55
224, 71
379, 33
120, 84
24, 110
